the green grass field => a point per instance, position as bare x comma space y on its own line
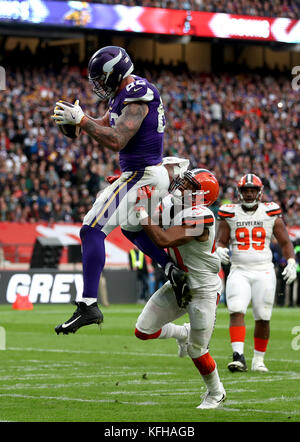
111, 376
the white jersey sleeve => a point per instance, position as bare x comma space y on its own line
198, 258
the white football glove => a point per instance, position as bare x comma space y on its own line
290, 272
223, 254
67, 113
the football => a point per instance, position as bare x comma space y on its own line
70, 130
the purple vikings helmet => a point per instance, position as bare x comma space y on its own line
107, 68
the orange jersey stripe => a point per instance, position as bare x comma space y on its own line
208, 221
274, 212
225, 214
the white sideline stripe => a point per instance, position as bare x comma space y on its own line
118, 353
72, 399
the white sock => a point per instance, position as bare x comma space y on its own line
212, 381
88, 301
171, 330
259, 354
238, 347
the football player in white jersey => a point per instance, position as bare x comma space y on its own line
248, 228
190, 238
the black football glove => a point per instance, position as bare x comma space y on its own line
178, 279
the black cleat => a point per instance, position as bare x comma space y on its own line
83, 315
238, 363
178, 279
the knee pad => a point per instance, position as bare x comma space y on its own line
263, 313
195, 351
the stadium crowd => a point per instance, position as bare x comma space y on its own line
228, 123
276, 8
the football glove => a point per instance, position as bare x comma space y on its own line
67, 113
223, 254
290, 272
178, 279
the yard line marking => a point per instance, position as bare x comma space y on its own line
118, 353
264, 401
270, 379
72, 399
46, 375
254, 410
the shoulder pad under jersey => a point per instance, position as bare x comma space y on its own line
227, 211
198, 215
272, 209
138, 90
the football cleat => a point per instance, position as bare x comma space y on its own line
178, 279
238, 363
83, 315
183, 343
213, 400
258, 365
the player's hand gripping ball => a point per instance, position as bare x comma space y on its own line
68, 116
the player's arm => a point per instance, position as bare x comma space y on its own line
174, 236
103, 121
223, 234
281, 234
115, 138
222, 241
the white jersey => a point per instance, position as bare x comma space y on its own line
197, 258
250, 233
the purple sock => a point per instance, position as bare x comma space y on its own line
93, 259
144, 243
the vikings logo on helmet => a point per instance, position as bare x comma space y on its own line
250, 181
107, 68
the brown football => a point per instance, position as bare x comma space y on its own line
70, 130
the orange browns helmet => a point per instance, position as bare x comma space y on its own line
205, 184
250, 180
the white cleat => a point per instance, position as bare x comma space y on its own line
258, 365
213, 401
183, 343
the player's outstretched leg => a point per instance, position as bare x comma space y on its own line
83, 315
215, 393
93, 260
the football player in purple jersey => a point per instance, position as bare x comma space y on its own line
133, 126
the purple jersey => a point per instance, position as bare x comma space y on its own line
145, 148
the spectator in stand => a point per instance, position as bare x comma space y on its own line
227, 123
